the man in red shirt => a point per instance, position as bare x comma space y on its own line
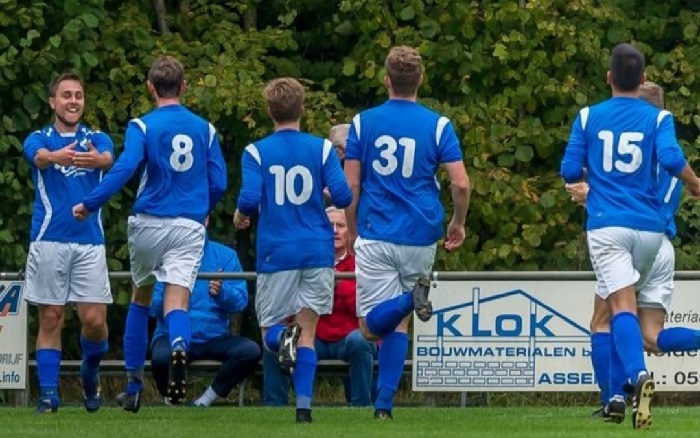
337, 334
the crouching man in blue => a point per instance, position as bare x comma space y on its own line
211, 305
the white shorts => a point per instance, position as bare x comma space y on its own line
385, 270
168, 250
622, 257
280, 295
58, 273
658, 290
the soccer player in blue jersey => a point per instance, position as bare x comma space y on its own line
653, 300
67, 261
183, 176
621, 142
393, 153
284, 175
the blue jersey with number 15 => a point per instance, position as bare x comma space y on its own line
621, 142
400, 145
183, 171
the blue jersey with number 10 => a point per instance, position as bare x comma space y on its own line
621, 142
183, 171
284, 175
400, 145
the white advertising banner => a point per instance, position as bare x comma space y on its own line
530, 336
13, 336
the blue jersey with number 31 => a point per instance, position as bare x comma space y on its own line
284, 175
622, 142
400, 145
183, 171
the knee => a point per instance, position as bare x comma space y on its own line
94, 319
650, 337
357, 344
250, 352
51, 319
368, 335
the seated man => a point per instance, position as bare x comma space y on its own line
337, 335
211, 305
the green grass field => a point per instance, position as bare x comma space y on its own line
231, 422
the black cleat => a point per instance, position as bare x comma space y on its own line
304, 416
288, 350
47, 405
601, 412
129, 402
641, 403
383, 414
616, 410
177, 385
421, 305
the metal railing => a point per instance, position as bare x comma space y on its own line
435, 276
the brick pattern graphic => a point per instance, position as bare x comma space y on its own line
476, 373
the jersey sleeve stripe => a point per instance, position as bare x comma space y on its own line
253, 151
327, 148
212, 133
48, 210
584, 117
442, 122
662, 115
140, 123
356, 123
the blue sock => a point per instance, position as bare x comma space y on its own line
392, 354
627, 338
179, 328
48, 367
383, 319
600, 358
273, 337
93, 352
616, 373
303, 377
135, 346
678, 339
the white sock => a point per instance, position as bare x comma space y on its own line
207, 398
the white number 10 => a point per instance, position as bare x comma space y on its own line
626, 146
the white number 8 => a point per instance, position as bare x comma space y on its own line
625, 146
181, 159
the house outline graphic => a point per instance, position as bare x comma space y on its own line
443, 370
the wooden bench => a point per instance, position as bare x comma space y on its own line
113, 368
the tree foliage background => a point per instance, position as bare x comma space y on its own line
511, 75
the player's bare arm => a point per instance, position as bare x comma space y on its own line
461, 190
63, 157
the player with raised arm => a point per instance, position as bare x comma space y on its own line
392, 157
67, 262
284, 175
653, 300
183, 176
621, 142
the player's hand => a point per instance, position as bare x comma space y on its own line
455, 236
80, 212
240, 221
578, 192
92, 159
215, 286
327, 195
694, 189
64, 156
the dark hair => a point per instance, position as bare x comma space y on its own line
67, 76
166, 75
626, 67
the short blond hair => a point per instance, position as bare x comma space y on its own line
285, 99
652, 93
404, 68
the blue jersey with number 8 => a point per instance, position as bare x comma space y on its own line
621, 142
400, 145
183, 173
